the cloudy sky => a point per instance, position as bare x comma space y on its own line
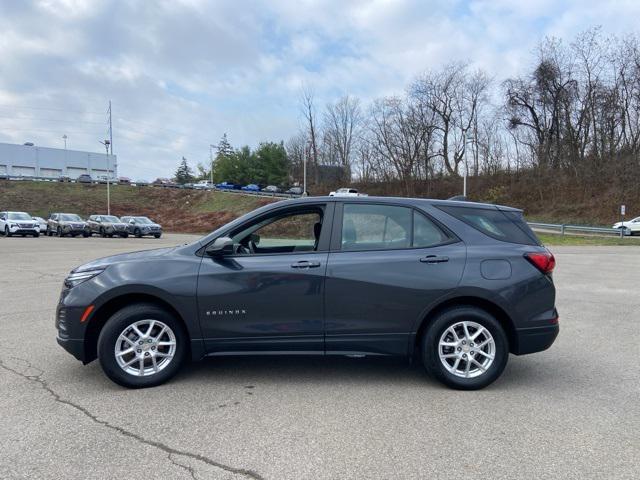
182, 73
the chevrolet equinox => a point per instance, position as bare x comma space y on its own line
457, 285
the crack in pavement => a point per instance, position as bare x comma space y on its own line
37, 378
188, 468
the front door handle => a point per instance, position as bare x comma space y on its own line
434, 259
305, 264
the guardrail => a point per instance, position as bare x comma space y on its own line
564, 228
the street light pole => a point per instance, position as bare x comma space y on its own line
64, 137
211, 160
106, 144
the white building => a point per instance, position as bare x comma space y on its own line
45, 162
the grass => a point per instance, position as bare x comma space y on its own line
187, 211
556, 239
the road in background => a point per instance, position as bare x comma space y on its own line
570, 412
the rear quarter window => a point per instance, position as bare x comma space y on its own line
507, 226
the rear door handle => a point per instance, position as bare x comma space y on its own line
434, 259
305, 264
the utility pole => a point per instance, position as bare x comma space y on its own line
106, 144
110, 137
211, 160
64, 137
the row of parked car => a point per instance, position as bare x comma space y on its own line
251, 187
70, 224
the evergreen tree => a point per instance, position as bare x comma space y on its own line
184, 174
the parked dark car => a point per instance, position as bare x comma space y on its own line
85, 178
141, 226
457, 285
124, 180
63, 224
227, 186
64, 178
107, 226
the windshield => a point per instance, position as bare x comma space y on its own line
144, 220
110, 219
19, 216
70, 217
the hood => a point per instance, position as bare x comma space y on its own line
123, 257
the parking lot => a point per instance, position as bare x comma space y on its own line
570, 412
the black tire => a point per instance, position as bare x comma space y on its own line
59, 232
36, 235
137, 233
440, 324
117, 324
124, 235
7, 233
110, 235
23, 235
157, 235
102, 234
47, 232
87, 233
73, 235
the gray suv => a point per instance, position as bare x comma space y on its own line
62, 224
107, 226
141, 226
457, 285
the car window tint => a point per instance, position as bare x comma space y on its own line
374, 227
426, 233
295, 231
508, 226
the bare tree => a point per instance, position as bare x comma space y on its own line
309, 113
342, 121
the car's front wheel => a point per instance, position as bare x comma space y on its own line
465, 348
7, 233
141, 346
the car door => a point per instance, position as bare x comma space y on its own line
268, 295
387, 265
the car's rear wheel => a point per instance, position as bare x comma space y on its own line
137, 233
142, 346
465, 348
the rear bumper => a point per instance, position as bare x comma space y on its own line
534, 339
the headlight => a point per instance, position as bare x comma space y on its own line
77, 278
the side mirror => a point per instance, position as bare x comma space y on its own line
220, 247
132, 222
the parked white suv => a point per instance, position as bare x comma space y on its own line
347, 192
18, 223
632, 227
203, 185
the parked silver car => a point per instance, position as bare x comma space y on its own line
141, 226
107, 226
62, 224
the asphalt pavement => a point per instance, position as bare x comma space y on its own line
572, 412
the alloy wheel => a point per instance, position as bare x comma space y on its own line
466, 349
145, 347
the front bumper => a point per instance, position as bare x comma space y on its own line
70, 330
24, 230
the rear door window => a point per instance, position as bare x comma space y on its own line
375, 227
508, 226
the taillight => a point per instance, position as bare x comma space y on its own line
543, 261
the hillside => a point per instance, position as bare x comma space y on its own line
188, 211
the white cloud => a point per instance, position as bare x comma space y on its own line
181, 73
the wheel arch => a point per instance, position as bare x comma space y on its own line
471, 301
107, 309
